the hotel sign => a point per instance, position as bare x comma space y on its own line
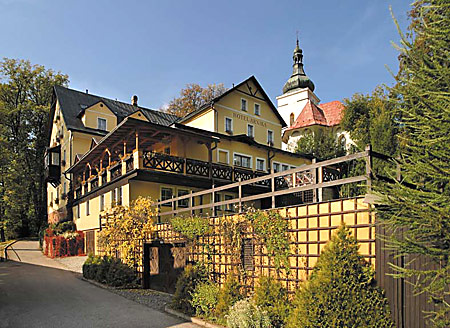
249, 119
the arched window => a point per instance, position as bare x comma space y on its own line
292, 118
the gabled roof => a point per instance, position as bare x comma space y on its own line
74, 102
327, 114
216, 99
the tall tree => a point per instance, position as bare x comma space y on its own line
371, 119
321, 144
25, 99
192, 97
418, 207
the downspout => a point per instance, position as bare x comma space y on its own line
216, 118
269, 160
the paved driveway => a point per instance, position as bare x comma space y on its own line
37, 292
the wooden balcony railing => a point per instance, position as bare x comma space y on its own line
305, 181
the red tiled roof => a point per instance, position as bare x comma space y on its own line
328, 114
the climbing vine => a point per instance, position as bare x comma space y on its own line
191, 227
125, 227
272, 229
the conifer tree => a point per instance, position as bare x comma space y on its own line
341, 291
417, 210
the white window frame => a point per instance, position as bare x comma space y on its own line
246, 155
259, 109
253, 130
98, 123
78, 211
284, 167
183, 200
264, 164
225, 124
246, 105
225, 151
273, 166
228, 207
160, 195
273, 139
101, 205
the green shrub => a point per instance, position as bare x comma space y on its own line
90, 266
245, 314
204, 299
340, 292
108, 270
272, 298
120, 274
185, 286
229, 294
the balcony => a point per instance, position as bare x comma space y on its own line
197, 168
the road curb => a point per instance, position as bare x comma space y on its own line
195, 320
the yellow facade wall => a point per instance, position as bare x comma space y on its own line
99, 110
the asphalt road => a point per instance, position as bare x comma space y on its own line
36, 292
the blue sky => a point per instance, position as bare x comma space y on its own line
154, 48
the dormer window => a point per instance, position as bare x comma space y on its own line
101, 124
243, 104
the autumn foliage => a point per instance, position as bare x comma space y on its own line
125, 227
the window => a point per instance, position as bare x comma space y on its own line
167, 150
101, 123
243, 104
222, 156
284, 167
65, 188
229, 207
250, 131
270, 137
242, 160
166, 193
257, 109
77, 214
228, 125
102, 202
183, 202
260, 164
64, 158
291, 119
116, 196
217, 199
87, 208
119, 196
55, 159
276, 167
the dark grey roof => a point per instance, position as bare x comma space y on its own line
74, 102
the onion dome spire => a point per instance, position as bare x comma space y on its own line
298, 79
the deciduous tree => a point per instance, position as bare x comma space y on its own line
192, 97
25, 99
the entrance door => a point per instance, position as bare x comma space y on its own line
163, 263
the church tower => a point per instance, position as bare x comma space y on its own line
297, 91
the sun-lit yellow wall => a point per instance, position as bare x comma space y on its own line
98, 110
139, 116
233, 147
204, 120
230, 106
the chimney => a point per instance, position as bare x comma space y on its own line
87, 91
134, 100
